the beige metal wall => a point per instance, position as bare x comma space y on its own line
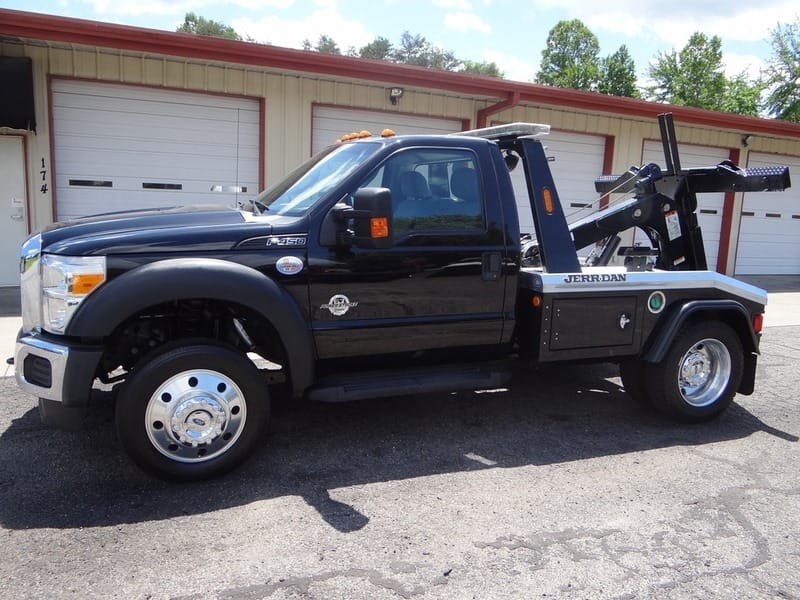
289, 98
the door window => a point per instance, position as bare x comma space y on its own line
434, 189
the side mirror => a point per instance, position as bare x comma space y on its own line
372, 218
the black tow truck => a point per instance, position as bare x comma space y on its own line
383, 266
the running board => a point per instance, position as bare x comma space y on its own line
383, 384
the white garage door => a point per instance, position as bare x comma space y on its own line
331, 123
123, 147
709, 206
769, 233
577, 162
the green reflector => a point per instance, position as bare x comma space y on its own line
656, 301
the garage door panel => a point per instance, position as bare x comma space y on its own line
331, 123
769, 230
144, 132
153, 97
150, 148
211, 158
97, 201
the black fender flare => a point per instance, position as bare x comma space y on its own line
731, 311
182, 278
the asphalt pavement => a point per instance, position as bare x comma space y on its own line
558, 486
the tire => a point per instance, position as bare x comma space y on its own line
700, 374
191, 413
632, 373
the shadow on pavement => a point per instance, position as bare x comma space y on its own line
56, 479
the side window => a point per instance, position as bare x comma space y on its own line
433, 189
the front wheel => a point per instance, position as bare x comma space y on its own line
193, 412
700, 374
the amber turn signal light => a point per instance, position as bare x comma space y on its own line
83, 283
379, 227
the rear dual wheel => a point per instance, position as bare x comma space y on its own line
697, 378
194, 412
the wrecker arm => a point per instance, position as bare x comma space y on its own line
664, 202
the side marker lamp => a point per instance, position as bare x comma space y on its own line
758, 322
547, 197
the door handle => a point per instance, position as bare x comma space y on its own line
490, 263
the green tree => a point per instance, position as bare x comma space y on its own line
692, 77
416, 50
742, 95
378, 49
480, 68
618, 75
570, 58
783, 73
198, 25
325, 44
695, 77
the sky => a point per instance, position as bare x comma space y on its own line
510, 33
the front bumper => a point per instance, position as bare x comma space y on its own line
56, 369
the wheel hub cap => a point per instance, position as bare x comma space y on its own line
704, 372
195, 415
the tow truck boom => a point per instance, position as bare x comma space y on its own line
664, 202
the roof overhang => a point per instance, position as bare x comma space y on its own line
49, 28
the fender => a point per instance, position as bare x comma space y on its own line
738, 317
664, 335
214, 279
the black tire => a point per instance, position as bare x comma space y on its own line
191, 413
632, 373
700, 374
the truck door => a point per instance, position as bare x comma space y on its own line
440, 285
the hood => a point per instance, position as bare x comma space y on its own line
189, 228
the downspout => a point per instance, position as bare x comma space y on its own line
484, 113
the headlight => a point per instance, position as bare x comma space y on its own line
66, 281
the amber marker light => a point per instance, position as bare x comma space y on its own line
536, 301
547, 196
83, 283
379, 227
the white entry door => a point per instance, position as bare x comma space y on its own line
13, 221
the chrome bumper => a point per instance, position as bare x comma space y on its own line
54, 369
41, 366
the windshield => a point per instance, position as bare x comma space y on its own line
303, 187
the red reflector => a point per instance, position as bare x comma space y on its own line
758, 322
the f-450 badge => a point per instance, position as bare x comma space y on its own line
339, 305
293, 241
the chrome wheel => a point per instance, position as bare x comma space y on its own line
704, 372
195, 416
